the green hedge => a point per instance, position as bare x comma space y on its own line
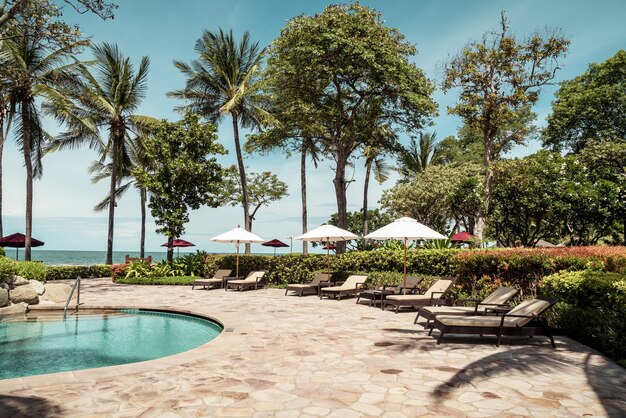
8, 267
180, 280
592, 308
33, 270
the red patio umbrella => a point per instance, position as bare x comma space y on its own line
330, 247
276, 243
462, 237
177, 243
17, 241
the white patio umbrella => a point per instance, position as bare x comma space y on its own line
237, 236
327, 233
406, 229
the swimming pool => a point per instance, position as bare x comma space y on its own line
46, 343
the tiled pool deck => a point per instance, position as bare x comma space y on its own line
302, 357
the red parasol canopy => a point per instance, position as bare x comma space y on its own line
330, 247
462, 237
18, 240
180, 243
276, 243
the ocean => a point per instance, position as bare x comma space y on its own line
82, 258
87, 258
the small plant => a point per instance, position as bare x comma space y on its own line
8, 267
137, 269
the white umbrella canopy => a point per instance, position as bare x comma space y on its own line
237, 236
406, 229
327, 233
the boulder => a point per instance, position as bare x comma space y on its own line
56, 292
5, 285
4, 297
37, 286
24, 294
17, 309
20, 281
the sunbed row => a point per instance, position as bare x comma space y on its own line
490, 316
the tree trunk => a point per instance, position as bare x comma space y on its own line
170, 249
142, 244
479, 227
113, 187
368, 169
305, 246
242, 179
1, 151
26, 145
340, 192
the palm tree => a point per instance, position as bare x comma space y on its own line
126, 180
222, 81
4, 118
417, 156
106, 101
32, 69
374, 159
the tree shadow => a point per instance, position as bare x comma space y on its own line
608, 380
522, 356
28, 406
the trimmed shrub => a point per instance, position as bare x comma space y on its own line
592, 308
8, 267
2, 253
181, 280
70, 272
32, 270
524, 268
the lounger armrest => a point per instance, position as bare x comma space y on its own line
327, 284
360, 285
432, 296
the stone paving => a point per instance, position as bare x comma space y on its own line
303, 357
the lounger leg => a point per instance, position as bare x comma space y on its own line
286, 290
546, 328
440, 337
416, 317
430, 332
397, 308
301, 291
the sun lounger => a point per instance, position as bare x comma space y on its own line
314, 285
433, 296
254, 280
523, 320
351, 286
377, 295
496, 299
216, 281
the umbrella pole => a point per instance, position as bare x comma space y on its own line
237, 265
404, 289
328, 255
17, 253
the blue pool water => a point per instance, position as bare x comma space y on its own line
49, 344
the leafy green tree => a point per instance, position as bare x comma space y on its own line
33, 69
590, 107
48, 13
263, 188
376, 219
104, 105
223, 81
497, 78
345, 73
184, 173
549, 196
439, 196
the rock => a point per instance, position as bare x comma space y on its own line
4, 297
37, 286
17, 309
5, 285
19, 281
24, 294
55, 292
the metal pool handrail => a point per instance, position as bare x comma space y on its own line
76, 283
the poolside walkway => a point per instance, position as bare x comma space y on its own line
302, 357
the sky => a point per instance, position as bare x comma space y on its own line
164, 31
